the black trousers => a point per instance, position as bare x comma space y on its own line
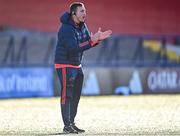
71, 86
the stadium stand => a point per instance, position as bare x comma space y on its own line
34, 42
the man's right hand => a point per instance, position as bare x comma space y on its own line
100, 36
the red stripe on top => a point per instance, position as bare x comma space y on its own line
83, 44
66, 66
63, 97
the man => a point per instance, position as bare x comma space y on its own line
73, 39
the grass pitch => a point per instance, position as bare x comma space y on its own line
100, 115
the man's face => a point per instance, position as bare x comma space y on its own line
81, 14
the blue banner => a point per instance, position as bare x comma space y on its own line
26, 82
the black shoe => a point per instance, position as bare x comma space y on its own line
69, 129
77, 129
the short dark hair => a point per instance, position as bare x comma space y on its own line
73, 7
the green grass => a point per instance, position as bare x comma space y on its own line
104, 115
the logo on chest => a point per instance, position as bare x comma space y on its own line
81, 36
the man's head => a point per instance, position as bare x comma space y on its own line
78, 12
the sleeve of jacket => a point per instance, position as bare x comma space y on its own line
72, 44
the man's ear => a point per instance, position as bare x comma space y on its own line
73, 13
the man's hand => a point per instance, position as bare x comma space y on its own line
100, 36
